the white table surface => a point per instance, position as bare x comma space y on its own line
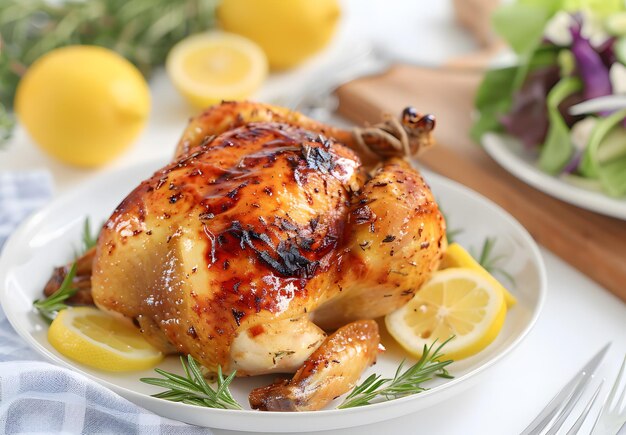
578, 318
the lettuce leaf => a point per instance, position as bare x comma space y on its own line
496, 92
493, 99
612, 176
558, 149
601, 8
527, 119
521, 25
608, 167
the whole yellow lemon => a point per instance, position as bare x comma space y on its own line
83, 104
289, 31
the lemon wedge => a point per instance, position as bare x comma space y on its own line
457, 256
207, 68
456, 302
96, 339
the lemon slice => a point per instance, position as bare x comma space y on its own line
210, 67
456, 302
96, 339
457, 256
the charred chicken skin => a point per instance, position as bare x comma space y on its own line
267, 230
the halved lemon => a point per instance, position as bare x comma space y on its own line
97, 339
207, 68
457, 256
455, 302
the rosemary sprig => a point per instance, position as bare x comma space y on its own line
50, 306
490, 262
403, 383
89, 239
192, 388
450, 232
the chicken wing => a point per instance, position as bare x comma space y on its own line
332, 370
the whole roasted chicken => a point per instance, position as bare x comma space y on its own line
265, 231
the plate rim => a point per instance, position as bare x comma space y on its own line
494, 144
330, 414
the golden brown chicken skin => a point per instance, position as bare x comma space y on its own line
239, 233
266, 230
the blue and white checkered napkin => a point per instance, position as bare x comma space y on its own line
21, 193
38, 397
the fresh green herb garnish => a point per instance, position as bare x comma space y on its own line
403, 383
192, 388
489, 261
450, 232
89, 239
50, 306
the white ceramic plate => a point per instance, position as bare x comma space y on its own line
520, 162
50, 237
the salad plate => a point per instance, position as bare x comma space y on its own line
51, 236
522, 163
550, 117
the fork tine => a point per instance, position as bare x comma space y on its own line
609, 407
610, 399
546, 415
581, 418
595, 423
622, 400
566, 409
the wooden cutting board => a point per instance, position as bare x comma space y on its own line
592, 243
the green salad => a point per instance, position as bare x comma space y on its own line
569, 51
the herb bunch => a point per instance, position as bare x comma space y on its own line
143, 31
403, 383
193, 389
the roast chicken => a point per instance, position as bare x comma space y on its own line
267, 231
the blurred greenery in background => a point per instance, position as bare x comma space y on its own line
143, 31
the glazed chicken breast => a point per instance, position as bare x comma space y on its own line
267, 231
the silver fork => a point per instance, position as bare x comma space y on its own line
583, 415
613, 412
555, 413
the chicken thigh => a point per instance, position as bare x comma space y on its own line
265, 231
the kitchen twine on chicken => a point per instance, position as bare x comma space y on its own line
404, 137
